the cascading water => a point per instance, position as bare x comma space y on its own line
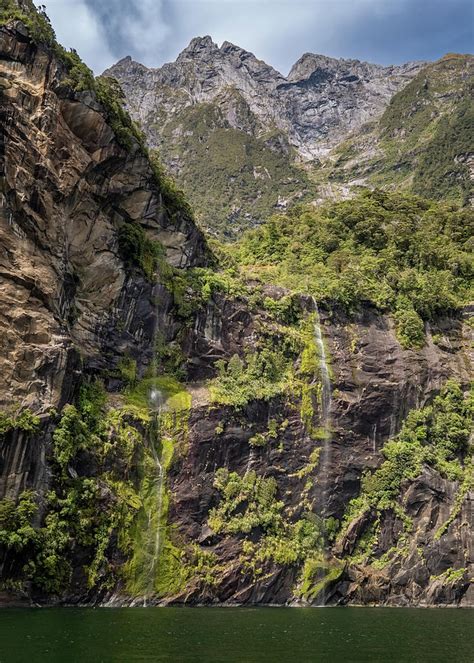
325, 422
154, 512
326, 397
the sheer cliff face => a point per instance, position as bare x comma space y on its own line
67, 187
69, 306
71, 310
319, 103
375, 384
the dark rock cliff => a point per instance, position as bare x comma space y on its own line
67, 186
376, 383
72, 309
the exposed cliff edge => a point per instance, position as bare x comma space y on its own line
164, 435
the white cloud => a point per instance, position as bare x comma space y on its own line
77, 27
147, 27
136, 27
277, 31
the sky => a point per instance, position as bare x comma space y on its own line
276, 31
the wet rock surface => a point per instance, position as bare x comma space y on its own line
68, 304
375, 383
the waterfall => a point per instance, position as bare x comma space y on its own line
154, 528
325, 419
326, 397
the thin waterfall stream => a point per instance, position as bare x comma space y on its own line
154, 514
326, 395
325, 420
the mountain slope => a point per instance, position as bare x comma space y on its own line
231, 129
424, 140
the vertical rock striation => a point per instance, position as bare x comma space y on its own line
69, 306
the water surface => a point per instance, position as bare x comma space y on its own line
230, 635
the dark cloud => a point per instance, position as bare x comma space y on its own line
278, 31
409, 30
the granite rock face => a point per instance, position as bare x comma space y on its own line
320, 101
67, 186
226, 122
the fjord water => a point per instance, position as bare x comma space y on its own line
237, 635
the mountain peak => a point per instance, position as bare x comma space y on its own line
229, 47
197, 47
310, 62
124, 61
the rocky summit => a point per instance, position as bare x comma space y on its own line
283, 420
226, 122
245, 141
320, 101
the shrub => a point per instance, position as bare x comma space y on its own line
247, 502
17, 419
16, 531
137, 250
410, 328
264, 374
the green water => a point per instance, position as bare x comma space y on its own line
182, 635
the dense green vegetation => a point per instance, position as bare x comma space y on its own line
17, 418
442, 172
174, 198
35, 20
257, 494
400, 253
422, 140
232, 178
83, 511
437, 435
263, 375
110, 95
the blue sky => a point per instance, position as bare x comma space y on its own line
277, 31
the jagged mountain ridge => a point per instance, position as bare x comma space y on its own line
227, 122
320, 101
